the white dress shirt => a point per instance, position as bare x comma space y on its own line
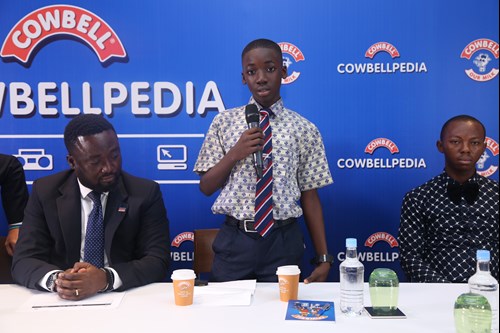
87, 205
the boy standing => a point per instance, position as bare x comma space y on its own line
253, 242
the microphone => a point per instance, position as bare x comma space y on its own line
252, 117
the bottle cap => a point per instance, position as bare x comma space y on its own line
351, 242
483, 255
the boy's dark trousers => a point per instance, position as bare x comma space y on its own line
241, 254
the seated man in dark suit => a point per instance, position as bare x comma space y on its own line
447, 219
93, 228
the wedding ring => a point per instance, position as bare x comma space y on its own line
77, 293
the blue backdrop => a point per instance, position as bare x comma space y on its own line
378, 78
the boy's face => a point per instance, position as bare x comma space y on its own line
462, 145
262, 72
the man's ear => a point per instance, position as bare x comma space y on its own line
71, 161
439, 145
243, 79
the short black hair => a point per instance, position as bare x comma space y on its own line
262, 43
462, 117
83, 125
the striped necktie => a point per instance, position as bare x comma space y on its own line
264, 188
94, 237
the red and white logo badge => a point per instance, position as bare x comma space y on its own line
50, 21
182, 237
296, 54
374, 162
381, 142
481, 52
381, 66
492, 147
381, 236
382, 46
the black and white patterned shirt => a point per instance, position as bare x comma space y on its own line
438, 239
299, 162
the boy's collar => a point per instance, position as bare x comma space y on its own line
275, 109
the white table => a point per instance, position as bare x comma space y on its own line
429, 308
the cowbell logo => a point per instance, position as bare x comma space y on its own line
56, 20
393, 66
290, 52
186, 236
481, 52
383, 144
485, 165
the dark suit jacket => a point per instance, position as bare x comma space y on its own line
136, 230
13, 186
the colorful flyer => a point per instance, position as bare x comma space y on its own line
310, 310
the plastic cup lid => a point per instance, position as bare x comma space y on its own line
183, 274
288, 270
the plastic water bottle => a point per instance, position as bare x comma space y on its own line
484, 283
351, 281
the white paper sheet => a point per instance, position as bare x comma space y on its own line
231, 293
50, 302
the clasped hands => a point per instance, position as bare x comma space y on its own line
81, 281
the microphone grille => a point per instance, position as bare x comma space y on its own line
252, 113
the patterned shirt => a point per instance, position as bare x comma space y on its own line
439, 239
299, 162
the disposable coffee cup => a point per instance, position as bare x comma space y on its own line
288, 279
183, 281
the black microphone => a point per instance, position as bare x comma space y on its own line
252, 117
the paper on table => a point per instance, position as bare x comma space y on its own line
50, 301
247, 285
231, 293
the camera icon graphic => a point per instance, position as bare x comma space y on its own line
34, 159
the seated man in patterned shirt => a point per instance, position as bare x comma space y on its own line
447, 219
299, 167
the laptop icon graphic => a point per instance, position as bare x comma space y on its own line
171, 157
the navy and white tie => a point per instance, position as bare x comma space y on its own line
94, 237
263, 220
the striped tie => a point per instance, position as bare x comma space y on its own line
94, 238
264, 188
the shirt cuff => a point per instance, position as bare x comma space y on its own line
43, 281
15, 225
118, 282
